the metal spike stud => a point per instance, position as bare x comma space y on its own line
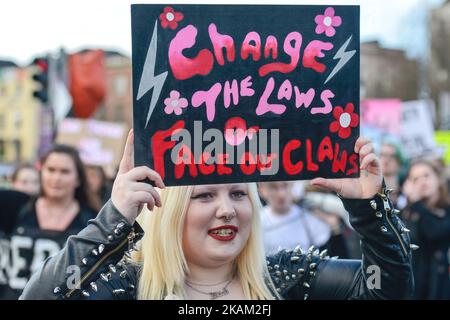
57, 290
298, 250
84, 261
95, 252
112, 268
110, 237
383, 229
414, 246
85, 293
93, 286
104, 277
395, 211
123, 274
405, 230
373, 204
101, 248
306, 285
379, 214
118, 291
294, 259
323, 254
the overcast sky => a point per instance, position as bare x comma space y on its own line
30, 27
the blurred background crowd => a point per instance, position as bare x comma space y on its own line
64, 116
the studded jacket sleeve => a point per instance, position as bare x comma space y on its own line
90, 262
385, 271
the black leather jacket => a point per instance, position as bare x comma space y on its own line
97, 255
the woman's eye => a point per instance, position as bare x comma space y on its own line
205, 195
238, 194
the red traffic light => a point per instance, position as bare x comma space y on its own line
41, 77
41, 63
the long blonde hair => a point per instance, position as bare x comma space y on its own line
163, 266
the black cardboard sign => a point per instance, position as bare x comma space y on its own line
242, 93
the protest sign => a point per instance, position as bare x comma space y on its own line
443, 141
97, 141
241, 93
417, 131
383, 114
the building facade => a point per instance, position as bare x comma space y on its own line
388, 73
19, 116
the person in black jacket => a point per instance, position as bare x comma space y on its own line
428, 218
205, 242
42, 226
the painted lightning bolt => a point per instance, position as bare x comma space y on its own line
343, 56
148, 78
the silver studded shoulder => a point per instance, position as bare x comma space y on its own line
295, 267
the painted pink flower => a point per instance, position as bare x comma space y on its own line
345, 120
327, 22
175, 104
170, 18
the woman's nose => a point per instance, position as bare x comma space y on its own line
225, 208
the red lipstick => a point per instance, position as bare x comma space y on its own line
223, 233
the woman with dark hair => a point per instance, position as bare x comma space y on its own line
98, 184
62, 208
428, 217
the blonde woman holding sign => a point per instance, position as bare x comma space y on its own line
205, 242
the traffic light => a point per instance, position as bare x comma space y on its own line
41, 77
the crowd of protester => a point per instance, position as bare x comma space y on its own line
49, 201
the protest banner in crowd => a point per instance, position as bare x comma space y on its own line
242, 93
417, 130
96, 141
